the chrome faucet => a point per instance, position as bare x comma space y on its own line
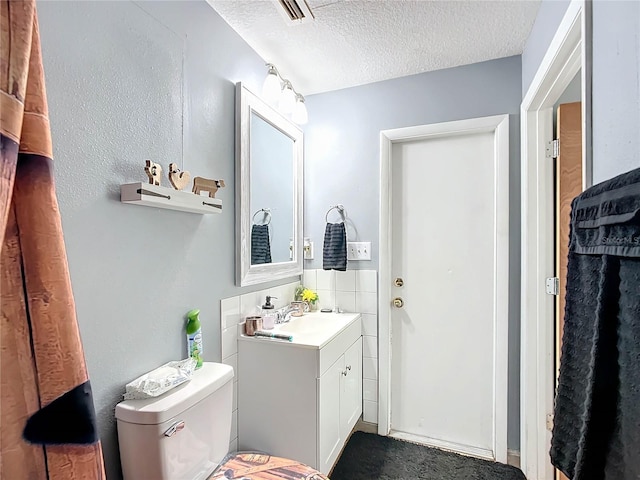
284, 314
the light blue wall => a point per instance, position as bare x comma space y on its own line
119, 76
544, 28
342, 157
616, 88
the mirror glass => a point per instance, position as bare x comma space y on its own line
269, 151
271, 183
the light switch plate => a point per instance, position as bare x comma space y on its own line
358, 250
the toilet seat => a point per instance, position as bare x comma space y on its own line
258, 466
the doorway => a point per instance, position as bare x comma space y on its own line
443, 338
567, 54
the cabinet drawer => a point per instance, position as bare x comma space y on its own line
336, 347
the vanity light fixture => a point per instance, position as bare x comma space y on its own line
279, 92
299, 114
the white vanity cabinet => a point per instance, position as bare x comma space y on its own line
340, 404
301, 399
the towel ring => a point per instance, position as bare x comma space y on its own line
266, 211
340, 209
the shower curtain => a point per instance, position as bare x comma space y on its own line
47, 418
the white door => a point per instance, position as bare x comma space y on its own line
449, 218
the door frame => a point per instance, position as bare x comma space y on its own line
567, 53
499, 125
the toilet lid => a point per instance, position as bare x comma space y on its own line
260, 466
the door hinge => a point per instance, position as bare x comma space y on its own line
552, 286
550, 421
552, 149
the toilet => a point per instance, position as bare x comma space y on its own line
184, 433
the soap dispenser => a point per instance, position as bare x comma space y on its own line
268, 314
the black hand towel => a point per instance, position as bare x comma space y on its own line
596, 431
260, 246
334, 252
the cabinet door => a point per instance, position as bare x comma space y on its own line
330, 437
351, 397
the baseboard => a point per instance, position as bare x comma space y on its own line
362, 426
513, 458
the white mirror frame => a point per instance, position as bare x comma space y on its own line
247, 274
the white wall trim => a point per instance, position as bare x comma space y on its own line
499, 125
560, 64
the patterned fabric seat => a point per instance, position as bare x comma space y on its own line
260, 466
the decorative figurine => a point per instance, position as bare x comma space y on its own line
154, 172
206, 185
178, 179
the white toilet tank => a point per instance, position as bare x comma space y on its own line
182, 434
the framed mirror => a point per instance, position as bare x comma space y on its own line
269, 158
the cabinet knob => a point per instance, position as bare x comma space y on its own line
344, 372
348, 367
398, 302
398, 282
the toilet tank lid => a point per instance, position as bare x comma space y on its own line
153, 411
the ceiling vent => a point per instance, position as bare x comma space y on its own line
294, 11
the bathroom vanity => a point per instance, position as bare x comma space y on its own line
301, 399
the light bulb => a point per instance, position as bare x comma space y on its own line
299, 115
287, 99
271, 87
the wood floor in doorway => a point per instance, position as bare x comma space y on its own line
369, 457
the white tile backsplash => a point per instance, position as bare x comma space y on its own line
370, 346
230, 312
233, 361
346, 301
250, 303
369, 324
309, 279
367, 302
346, 281
326, 298
326, 279
370, 368
370, 390
370, 413
366, 281
229, 341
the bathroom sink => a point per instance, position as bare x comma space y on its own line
315, 329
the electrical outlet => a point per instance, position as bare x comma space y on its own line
307, 249
358, 250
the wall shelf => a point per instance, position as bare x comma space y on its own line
140, 193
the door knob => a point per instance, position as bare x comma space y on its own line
398, 302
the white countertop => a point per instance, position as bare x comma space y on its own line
312, 330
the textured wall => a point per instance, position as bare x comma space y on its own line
124, 82
549, 17
342, 157
616, 88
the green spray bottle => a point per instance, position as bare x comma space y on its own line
194, 336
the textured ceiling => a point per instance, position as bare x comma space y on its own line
353, 42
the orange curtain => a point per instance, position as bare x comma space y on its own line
47, 418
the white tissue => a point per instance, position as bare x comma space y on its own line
160, 380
